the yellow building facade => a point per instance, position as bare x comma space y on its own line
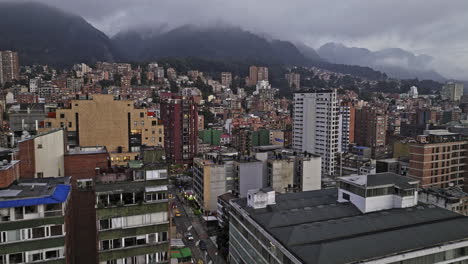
105, 121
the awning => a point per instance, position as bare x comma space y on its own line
181, 253
59, 196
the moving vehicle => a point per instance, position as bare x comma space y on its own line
189, 236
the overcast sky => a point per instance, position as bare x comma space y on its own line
435, 27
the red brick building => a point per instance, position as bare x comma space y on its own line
83, 165
179, 115
438, 159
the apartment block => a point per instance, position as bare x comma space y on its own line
132, 215
34, 221
213, 175
316, 126
75, 84
226, 79
102, 120
248, 175
347, 124
438, 159
179, 115
83, 165
294, 173
257, 74
294, 80
452, 91
9, 66
372, 127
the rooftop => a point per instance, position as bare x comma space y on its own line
451, 192
87, 150
35, 192
381, 179
317, 229
227, 197
439, 132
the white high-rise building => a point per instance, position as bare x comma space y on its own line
34, 84
452, 91
413, 92
316, 126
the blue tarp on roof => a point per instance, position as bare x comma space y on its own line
59, 196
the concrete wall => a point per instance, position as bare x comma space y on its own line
281, 174
312, 174
250, 177
49, 154
214, 186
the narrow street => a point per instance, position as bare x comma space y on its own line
189, 222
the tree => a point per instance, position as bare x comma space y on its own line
208, 115
204, 88
134, 81
173, 86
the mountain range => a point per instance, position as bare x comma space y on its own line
46, 35
395, 62
214, 42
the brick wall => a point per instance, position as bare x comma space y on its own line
8, 176
27, 159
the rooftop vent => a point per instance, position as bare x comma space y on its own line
260, 198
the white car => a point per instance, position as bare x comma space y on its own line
189, 236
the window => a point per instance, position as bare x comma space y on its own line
154, 123
62, 115
142, 114
106, 244
141, 240
40, 175
164, 236
16, 258
38, 232
84, 184
346, 196
56, 230
39, 146
36, 257
128, 198
62, 124
69, 124
30, 209
4, 214
105, 224
52, 254
138, 175
130, 241
19, 214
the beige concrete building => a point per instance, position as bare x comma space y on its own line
105, 121
42, 156
210, 180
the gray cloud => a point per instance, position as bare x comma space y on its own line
434, 27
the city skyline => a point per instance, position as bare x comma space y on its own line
421, 27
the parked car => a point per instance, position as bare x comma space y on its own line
202, 245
